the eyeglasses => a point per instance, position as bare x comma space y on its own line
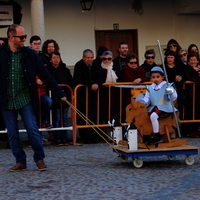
173, 45
106, 58
36, 43
150, 57
21, 37
181, 55
133, 63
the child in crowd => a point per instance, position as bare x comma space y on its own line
158, 99
62, 75
46, 104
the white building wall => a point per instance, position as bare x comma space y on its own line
74, 30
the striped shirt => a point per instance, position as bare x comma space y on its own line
18, 90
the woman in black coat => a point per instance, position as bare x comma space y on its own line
62, 75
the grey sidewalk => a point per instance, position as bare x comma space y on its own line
93, 171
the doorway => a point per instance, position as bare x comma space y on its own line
112, 38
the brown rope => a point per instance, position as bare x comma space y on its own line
90, 123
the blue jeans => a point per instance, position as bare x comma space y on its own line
46, 104
30, 123
56, 118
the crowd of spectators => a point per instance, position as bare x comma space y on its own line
24, 68
181, 65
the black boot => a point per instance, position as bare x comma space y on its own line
154, 138
157, 137
145, 138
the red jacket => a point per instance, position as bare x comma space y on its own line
41, 89
129, 75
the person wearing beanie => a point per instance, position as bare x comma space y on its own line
100, 52
158, 99
149, 62
173, 45
149, 51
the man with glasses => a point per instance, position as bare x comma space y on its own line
149, 62
46, 101
182, 54
35, 43
19, 66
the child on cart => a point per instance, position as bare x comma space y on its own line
158, 98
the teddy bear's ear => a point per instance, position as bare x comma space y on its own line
129, 108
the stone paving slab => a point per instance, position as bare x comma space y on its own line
94, 171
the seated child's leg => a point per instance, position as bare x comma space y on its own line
155, 136
154, 121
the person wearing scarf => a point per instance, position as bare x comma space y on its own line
110, 71
111, 74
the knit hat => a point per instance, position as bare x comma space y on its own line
150, 51
157, 69
100, 50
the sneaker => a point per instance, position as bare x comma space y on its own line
46, 125
59, 143
18, 167
41, 165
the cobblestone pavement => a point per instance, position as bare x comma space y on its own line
94, 171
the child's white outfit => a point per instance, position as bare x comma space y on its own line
159, 105
157, 96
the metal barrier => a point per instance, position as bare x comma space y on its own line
59, 128
192, 108
135, 90
86, 99
120, 86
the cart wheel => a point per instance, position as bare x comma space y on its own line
189, 159
171, 157
137, 162
123, 158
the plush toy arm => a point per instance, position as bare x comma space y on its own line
143, 98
